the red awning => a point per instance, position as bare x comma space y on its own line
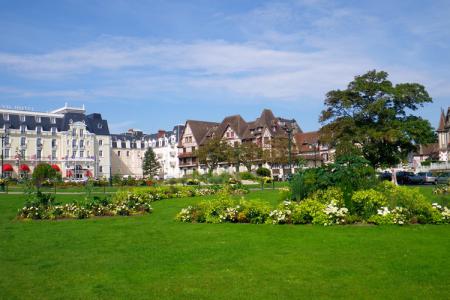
7, 168
24, 168
88, 173
69, 173
56, 168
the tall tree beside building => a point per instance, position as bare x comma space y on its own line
250, 153
150, 165
214, 151
374, 114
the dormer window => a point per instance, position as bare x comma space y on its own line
22, 118
38, 119
6, 117
23, 129
53, 120
81, 132
38, 129
99, 126
53, 130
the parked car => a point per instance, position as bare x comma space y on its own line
385, 176
404, 177
443, 178
422, 178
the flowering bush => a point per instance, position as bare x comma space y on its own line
44, 207
336, 214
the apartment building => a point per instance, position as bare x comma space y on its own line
444, 136
128, 150
76, 144
234, 129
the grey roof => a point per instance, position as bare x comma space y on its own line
94, 122
134, 136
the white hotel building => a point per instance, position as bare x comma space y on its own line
71, 141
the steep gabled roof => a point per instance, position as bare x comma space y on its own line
200, 128
305, 139
236, 122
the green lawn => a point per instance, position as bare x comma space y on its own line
155, 257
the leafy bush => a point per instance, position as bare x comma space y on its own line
349, 173
263, 172
246, 176
366, 203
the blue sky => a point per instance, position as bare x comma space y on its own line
153, 64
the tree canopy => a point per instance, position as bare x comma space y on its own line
150, 165
375, 116
214, 151
43, 172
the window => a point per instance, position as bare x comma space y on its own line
100, 142
53, 154
23, 141
53, 143
38, 119
53, 130
128, 153
6, 140
6, 151
74, 143
38, 129
81, 143
38, 142
100, 153
22, 118
74, 132
38, 154
23, 129
81, 132
88, 154
100, 169
118, 153
99, 125
81, 153
74, 153
6, 117
22, 153
53, 120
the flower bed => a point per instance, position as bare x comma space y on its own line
387, 204
40, 206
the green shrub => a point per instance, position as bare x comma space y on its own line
309, 212
366, 203
246, 176
263, 172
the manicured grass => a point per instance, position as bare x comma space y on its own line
155, 257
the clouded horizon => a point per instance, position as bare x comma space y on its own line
151, 65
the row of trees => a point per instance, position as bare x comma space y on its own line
216, 151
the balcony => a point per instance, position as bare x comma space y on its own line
186, 154
188, 164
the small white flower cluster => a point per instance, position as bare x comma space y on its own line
185, 214
230, 214
204, 192
399, 215
335, 214
280, 216
445, 212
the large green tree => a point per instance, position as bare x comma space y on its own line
150, 165
375, 116
214, 151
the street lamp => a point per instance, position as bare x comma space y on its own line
289, 129
4, 137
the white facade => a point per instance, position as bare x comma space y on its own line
61, 138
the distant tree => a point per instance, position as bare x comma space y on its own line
150, 165
250, 153
263, 172
214, 151
41, 173
278, 152
374, 115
